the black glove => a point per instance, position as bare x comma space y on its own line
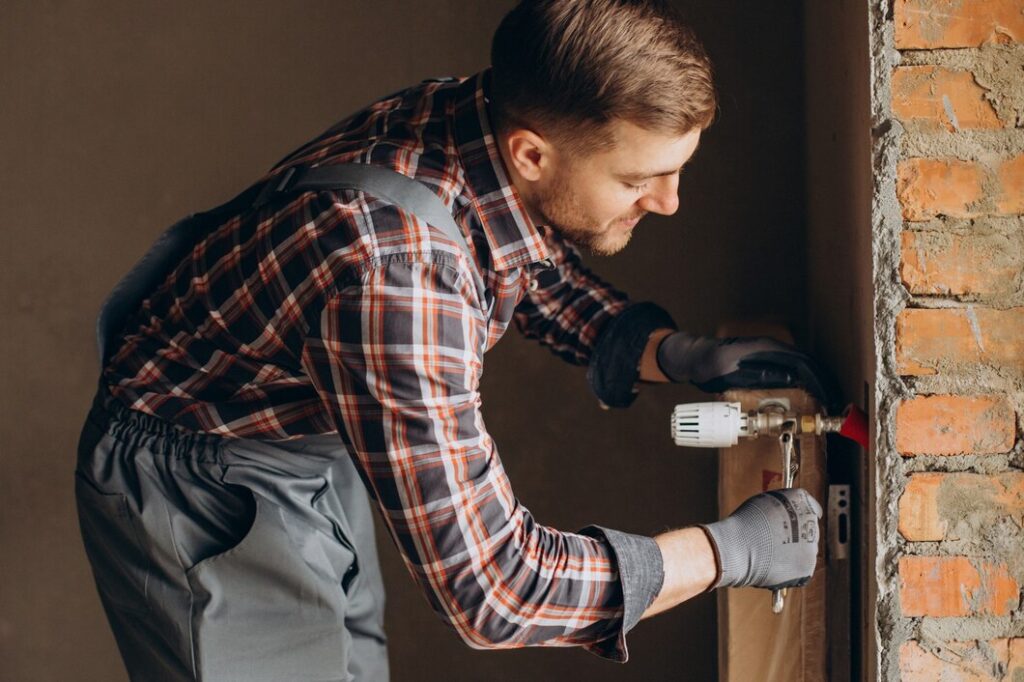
715, 365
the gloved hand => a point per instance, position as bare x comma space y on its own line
715, 365
771, 540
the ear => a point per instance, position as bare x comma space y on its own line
528, 152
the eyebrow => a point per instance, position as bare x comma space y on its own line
644, 175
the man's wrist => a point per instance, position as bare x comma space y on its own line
649, 368
727, 539
716, 582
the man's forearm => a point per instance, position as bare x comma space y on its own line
690, 567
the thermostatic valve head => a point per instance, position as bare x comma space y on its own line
708, 425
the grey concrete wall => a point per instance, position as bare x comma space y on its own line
980, 534
119, 117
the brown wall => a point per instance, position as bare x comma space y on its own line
121, 116
839, 283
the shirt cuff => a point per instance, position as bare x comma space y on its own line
615, 363
641, 574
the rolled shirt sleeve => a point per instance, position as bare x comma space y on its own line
397, 361
642, 574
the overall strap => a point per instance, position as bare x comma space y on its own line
174, 244
410, 195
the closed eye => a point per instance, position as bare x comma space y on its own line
643, 185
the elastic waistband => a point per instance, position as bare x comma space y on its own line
160, 435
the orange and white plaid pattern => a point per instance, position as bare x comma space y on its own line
338, 312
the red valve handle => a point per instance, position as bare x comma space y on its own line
855, 425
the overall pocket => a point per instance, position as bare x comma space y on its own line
273, 604
110, 532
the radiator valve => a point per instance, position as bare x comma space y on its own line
721, 425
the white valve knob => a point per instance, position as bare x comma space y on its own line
708, 425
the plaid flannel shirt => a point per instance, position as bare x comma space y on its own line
338, 312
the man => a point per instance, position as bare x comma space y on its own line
308, 347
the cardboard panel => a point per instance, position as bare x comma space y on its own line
753, 642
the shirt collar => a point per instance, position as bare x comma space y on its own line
512, 237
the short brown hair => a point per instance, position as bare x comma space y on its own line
570, 67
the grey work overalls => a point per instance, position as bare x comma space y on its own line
224, 558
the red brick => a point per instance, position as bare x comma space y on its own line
944, 587
927, 24
921, 94
1011, 184
973, 661
940, 263
931, 187
949, 339
919, 509
955, 425
926, 514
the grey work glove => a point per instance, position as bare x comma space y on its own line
715, 365
770, 541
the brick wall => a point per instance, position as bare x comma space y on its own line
957, 93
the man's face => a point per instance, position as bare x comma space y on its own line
596, 200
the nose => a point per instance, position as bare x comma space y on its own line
663, 196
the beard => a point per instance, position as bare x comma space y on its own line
559, 208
